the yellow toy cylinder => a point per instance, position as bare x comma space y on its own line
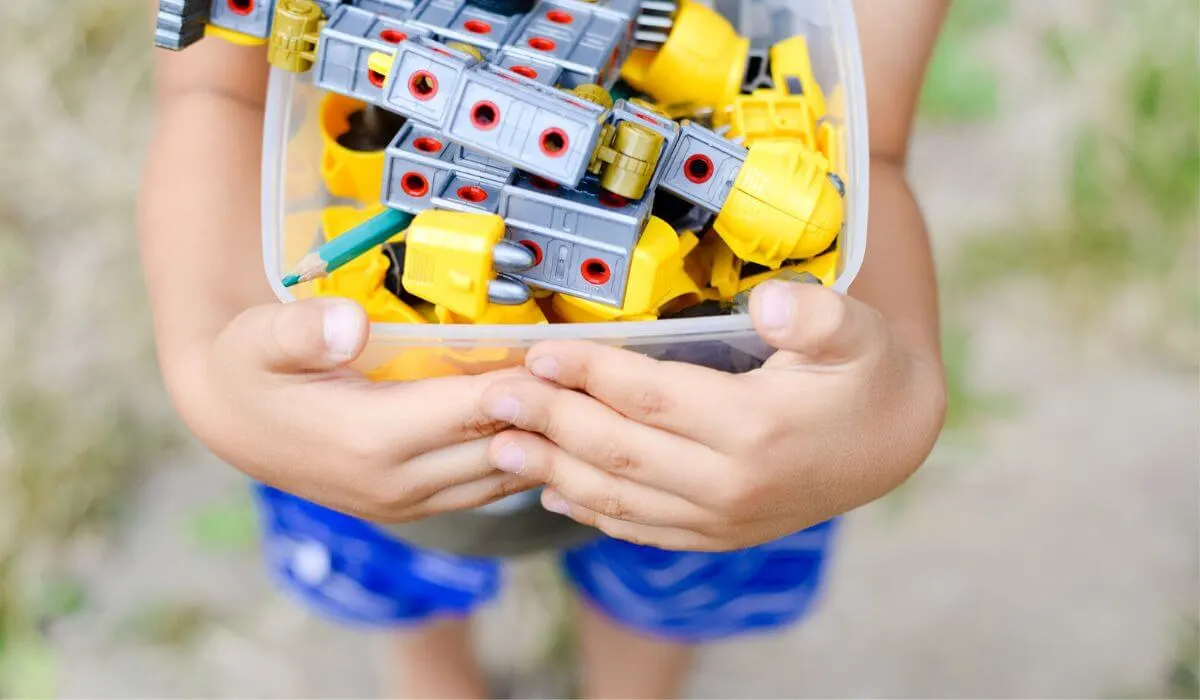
703, 62
348, 173
783, 205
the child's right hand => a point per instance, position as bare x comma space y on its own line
272, 396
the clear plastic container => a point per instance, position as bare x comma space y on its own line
294, 196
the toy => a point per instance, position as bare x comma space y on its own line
506, 183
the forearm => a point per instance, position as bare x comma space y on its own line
199, 218
898, 277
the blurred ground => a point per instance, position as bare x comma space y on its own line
1049, 549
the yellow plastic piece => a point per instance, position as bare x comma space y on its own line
714, 268
629, 163
295, 33
772, 114
235, 38
362, 279
703, 62
823, 267
791, 57
528, 314
831, 143
596, 94
347, 173
448, 259
688, 241
783, 205
380, 62
656, 278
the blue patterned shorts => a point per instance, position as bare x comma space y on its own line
353, 572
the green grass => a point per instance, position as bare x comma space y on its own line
1128, 232
81, 410
225, 526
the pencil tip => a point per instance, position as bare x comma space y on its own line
291, 280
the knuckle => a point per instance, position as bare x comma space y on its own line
648, 402
614, 456
506, 488
615, 506
480, 426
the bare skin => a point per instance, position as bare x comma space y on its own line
241, 368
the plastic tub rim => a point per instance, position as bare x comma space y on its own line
845, 34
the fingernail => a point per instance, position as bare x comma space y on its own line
545, 367
342, 327
505, 409
775, 306
511, 459
554, 503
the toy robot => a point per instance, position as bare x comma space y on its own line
533, 161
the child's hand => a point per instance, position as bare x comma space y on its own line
683, 457
272, 396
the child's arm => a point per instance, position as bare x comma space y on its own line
683, 457
263, 384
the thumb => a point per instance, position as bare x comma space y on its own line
302, 336
818, 323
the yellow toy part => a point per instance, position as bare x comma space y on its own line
529, 314
772, 114
831, 143
448, 259
656, 278
783, 205
791, 62
295, 34
235, 38
703, 62
362, 279
348, 173
714, 268
823, 267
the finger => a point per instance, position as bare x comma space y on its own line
816, 323
687, 400
314, 335
473, 494
599, 436
424, 476
669, 538
534, 457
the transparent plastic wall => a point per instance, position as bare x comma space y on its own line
294, 197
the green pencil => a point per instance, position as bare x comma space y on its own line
356, 242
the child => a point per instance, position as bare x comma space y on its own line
715, 492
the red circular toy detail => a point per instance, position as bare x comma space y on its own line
541, 43
427, 145
535, 249
699, 169
414, 185
477, 27
595, 271
472, 194
554, 142
241, 7
525, 71
377, 79
423, 85
485, 116
560, 17
392, 36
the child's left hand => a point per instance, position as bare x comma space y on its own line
687, 458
